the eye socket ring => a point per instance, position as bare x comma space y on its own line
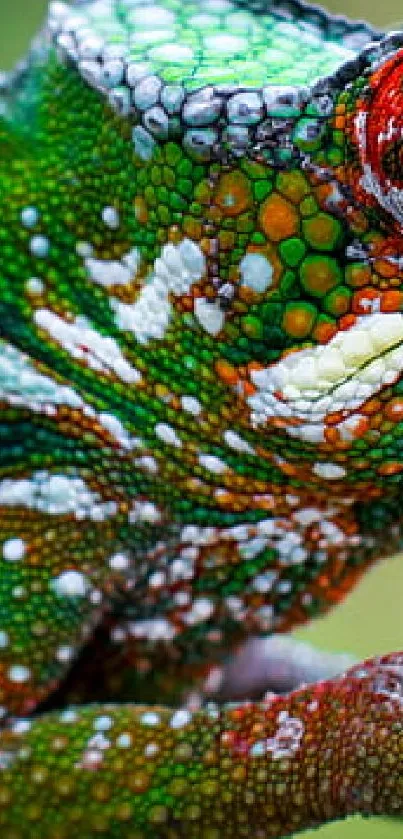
379, 136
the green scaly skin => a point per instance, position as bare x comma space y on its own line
201, 410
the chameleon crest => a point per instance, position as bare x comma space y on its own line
201, 405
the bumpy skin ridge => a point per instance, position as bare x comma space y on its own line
201, 414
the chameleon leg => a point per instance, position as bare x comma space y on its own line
50, 599
278, 664
266, 769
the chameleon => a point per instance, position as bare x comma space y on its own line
201, 417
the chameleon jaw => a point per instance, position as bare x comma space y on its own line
312, 383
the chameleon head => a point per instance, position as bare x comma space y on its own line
330, 314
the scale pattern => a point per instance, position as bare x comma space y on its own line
201, 412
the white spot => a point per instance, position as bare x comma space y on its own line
124, 741
154, 630
202, 609
209, 314
171, 53
226, 45
19, 674
181, 718
103, 723
111, 218
55, 495
150, 718
148, 463
113, 272
29, 216
34, 285
69, 715
64, 654
14, 550
175, 271
212, 464
84, 249
287, 739
144, 511
81, 341
119, 562
39, 246
4, 640
151, 749
234, 441
167, 434
191, 405
256, 272
21, 726
114, 426
21, 384
329, 471
339, 376
70, 584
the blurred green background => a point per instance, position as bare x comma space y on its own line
370, 621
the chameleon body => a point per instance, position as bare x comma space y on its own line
201, 412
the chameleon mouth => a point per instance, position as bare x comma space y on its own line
338, 378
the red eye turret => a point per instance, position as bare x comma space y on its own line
379, 136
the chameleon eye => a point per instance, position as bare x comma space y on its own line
379, 135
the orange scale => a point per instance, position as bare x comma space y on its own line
248, 389
292, 471
341, 175
323, 581
323, 192
278, 218
188, 304
362, 426
176, 403
346, 322
246, 295
233, 194
263, 503
339, 122
362, 297
226, 499
392, 300
358, 275
332, 436
391, 468
394, 410
324, 332
373, 406
334, 418
385, 269
376, 421
238, 714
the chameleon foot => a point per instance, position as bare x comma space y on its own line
277, 664
267, 770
